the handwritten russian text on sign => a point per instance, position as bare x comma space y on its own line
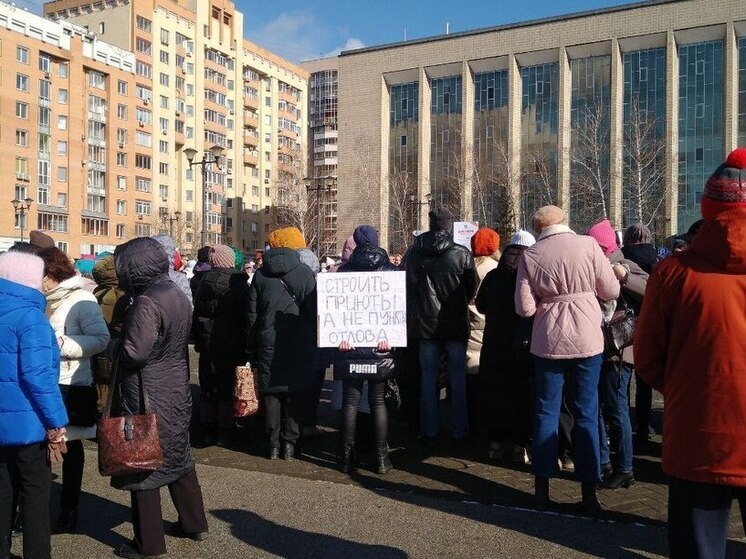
362, 308
463, 231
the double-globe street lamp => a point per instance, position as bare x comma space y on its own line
21, 208
211, 156
171, 220
325, 184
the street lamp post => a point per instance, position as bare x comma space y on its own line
326, 184
21, 208
413, 200
212, 156
171, 220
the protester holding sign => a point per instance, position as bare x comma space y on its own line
354, 366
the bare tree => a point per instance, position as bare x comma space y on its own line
295, 206
644, 168
403, 209
538, 180
493, 200
590, 165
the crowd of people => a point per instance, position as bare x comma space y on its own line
515, 333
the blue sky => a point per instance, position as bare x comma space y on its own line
319, 28
316, 28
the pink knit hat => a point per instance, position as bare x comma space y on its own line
22, 268
605, 236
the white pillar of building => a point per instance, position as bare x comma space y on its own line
383, 177
616, 132
515, 96
672, 135
564, 131
730, 77
467, 142
423, 146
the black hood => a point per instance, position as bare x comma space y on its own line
644, 255
366, 258
279, 261
433, 242
139, 263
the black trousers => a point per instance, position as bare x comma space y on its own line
280, 413
351, 393
147, 518
308, 400
72, 475
35, 481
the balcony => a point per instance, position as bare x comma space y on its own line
95, 141
250, 158
97, 116
251, 102
251, 139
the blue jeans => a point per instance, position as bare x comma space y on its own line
582, 398
698, 515
430, 359
614, 396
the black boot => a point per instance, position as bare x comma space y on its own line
383, 462
349, 459
541, 493
274, 453
288, 451
617, 480
590, 505
67, 522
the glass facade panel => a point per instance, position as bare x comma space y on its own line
742, 92
446, 165
700, 123
492, 202
403, 142
643, 166
590, 142
539, 122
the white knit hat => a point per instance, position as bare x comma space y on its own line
523, 238
20, 267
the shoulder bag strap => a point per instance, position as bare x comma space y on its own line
293, 297
106, 412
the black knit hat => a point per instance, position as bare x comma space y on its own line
203, 255
441, 219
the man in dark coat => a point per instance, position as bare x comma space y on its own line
218, 328
441, 281
153, 351
282, 340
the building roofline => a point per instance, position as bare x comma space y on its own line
515, 25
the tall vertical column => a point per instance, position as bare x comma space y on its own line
467, 141
515, 96
564, 131
616, 132
730, 133
672, 133
423, 146
383, 162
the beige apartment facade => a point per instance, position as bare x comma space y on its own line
202, 86
60, 92
618, 113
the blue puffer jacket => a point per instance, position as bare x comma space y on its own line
30, 399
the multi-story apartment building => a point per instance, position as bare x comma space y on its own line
198, 85
63, 94
621, 112
323, 136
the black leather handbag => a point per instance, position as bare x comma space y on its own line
364, 365
619, 330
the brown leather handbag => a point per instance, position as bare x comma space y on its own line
128, 444
246, 391
619, 330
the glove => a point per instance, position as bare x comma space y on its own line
55, 452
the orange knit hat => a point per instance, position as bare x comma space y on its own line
289, 237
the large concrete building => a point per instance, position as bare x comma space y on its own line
619, 113
194, 83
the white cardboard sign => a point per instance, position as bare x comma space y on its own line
463, 231
362, 308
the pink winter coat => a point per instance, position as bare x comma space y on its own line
561, 280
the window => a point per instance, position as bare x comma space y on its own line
143, 46
190, 195
163, 146
52, 222
21, 140
164, 102
121, 159
122, 112
142, 92
97, 227
22, 168
163, 124
62, 122
163, 79
120, 231
189, 132
96, 79
62, 174
163, 168
142, 207
61, 147
21, 82
143, 184
45, 63
21, 110
122, 87
143, 161
45, 89
22, 55
164, 36
144, 24
143, 69
121, 183
121, 207
62, 69
45, 116
143, 115
163, 191
62, 200
143, 139
163, 55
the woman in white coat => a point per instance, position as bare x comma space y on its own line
81, 333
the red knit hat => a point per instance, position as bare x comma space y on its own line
726, 188
485, 242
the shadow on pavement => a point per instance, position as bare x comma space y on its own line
291, 543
